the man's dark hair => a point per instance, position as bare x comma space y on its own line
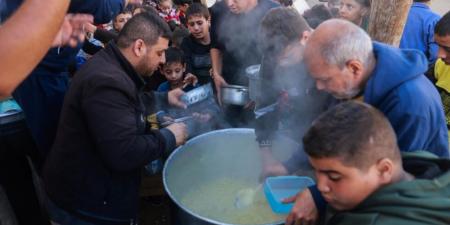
442, 27
197, 9
354, 132
174, 55
145, 26
281, 27
422, 0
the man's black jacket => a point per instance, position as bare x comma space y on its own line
103, 140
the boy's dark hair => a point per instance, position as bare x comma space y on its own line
286, 3
146, 9
442, 27
178, 35
354, 132
316, 15
174, 55
182, 2
146, 26
281, 27
197, 9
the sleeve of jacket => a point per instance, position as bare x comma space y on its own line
102, 10
433, 48
105, 36
113, 122
266, 125
416, 132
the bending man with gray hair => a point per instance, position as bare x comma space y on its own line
344, 62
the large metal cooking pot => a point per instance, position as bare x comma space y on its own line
231, 154
235, 95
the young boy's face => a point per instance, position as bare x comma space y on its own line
121, 20
198, 26
351, 10
173, 71
444, 48
165, 6
344, 187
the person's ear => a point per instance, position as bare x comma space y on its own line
385, 168
305, 37
356, 68
184, 67
139, 48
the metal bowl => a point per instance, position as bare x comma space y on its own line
231, 154
235, 95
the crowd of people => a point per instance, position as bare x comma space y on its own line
91, 95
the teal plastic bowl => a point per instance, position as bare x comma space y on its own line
278, 188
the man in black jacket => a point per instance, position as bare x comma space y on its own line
92, 174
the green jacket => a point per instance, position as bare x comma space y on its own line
424, 201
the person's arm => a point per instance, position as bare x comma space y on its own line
216, 60
19, 52
105, 36
116, 135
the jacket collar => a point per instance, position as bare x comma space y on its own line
420, 5
126, 65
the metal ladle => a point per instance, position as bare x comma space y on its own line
246, 196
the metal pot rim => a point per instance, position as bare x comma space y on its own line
179, 149
235, 87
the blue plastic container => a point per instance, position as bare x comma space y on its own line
278, 188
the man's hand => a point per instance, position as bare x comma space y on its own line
270, 166
72, 30
174, 98
219, 82
304, 211
179, 130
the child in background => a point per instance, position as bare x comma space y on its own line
363, 177
166, 11
178, 36
355, 11
206, 114
419, 30
182, 6
441, 76
197, 46
174, 71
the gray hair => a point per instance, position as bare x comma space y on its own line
349, 43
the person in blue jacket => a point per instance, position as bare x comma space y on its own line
344, 62
41, 95
419, 30
348, 64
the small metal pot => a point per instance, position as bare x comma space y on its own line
235, 95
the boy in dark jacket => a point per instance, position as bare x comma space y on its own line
363, 177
